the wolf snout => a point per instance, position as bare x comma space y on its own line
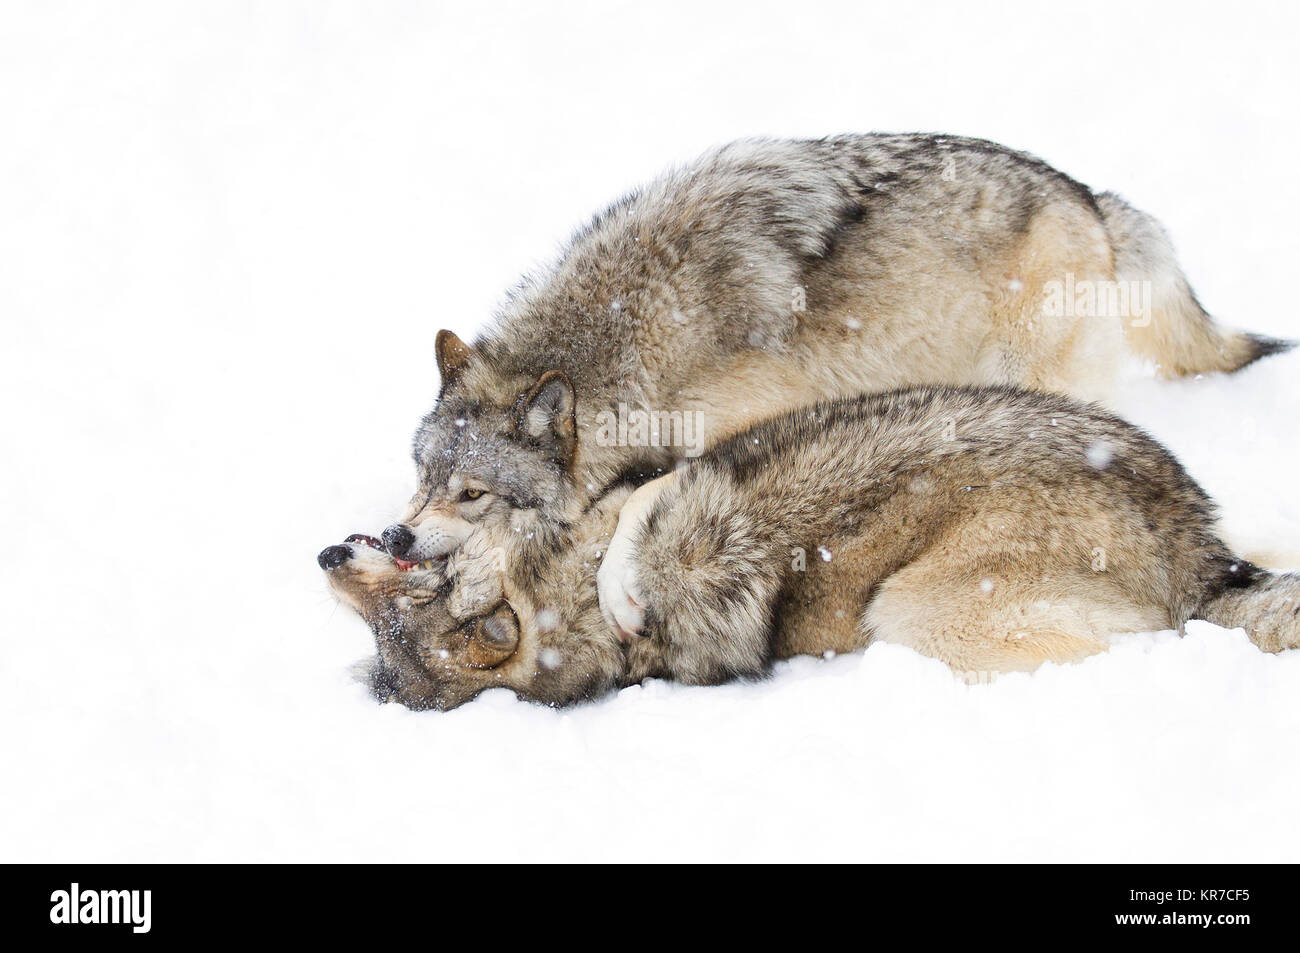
398, 539
332, 557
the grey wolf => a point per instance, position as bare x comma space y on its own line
994, 529
772, 274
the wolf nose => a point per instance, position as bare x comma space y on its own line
332, 557
398, 540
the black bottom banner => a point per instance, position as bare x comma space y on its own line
400, 905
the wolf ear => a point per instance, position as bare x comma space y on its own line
453, 356
492, 640
547, 414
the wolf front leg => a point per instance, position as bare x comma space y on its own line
476, 570
621, 601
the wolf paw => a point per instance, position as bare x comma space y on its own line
476, 570
620, 602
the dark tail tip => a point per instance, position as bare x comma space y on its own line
1261, 346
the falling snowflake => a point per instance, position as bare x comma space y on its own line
824, 553
1099, 454
549, 659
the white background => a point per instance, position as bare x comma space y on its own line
228, 233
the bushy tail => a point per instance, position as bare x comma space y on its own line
1265, 604
709, 573
1178, 335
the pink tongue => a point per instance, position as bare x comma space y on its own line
402, 564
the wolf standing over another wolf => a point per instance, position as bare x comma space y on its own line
771, 274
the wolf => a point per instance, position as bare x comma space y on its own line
994, 529
768, 275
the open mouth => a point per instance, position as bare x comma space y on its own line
404, 565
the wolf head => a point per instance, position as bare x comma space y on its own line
447, 629
496, 451
425, 657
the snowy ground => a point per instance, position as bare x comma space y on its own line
228, 233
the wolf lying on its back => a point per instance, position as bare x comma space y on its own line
994, 529
769, 275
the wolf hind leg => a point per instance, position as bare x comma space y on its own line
1039, 340
1001, 621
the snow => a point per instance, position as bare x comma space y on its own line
228, 235
1099, 454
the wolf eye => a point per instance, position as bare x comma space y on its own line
472, 494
